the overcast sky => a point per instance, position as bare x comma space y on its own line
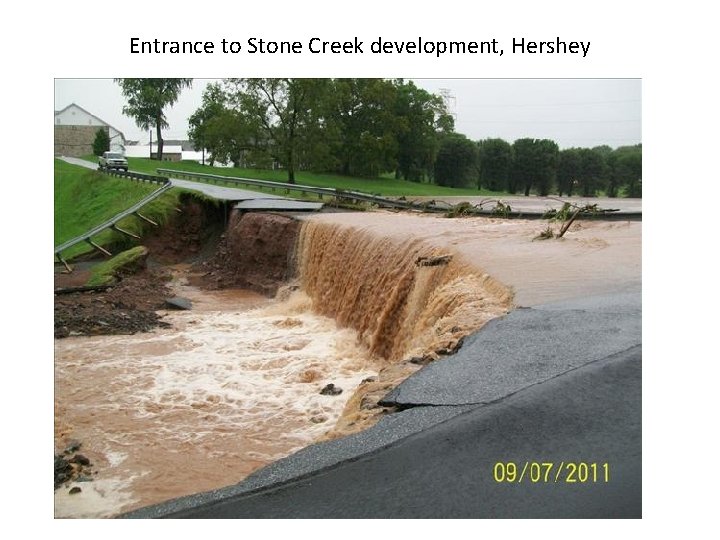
572, 112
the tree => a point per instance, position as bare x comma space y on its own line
535, 164
455, 161
523, 169
222, 128
546, 166
360, 126
569, 170
422, 119
592, 171
287, 112
147, 100
213, 106
627, 169
495, 161
102, 142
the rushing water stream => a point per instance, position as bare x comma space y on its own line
234, 384
231, 387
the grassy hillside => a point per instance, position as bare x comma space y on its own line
380, 186
85, 198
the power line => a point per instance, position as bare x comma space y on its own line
567, 104
552, 121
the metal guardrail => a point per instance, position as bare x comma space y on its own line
423, 206
112, 222
141, 177
302, 189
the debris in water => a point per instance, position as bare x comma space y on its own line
72, 446
79, 459
289, 322
75, 490
433, 261
63, 471
77, 467
177, 302
421, 360
331, 390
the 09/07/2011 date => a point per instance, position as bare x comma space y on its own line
550, 472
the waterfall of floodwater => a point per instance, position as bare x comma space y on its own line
399, 301
235, 383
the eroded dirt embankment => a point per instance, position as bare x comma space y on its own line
402, 295
232, 386
130, 305
257, 252
409, 301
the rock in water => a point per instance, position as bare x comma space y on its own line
331, 390
79, 459
72, 446
75, 490
433, 261
63, 471
177, 302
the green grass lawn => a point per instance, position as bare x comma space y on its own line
378, 186
85, 198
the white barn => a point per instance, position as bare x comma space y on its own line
75, 128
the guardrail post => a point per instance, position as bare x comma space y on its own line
147, 219
99, 248
64, 262
128, 233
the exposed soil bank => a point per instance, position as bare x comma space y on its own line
257, 252
130, 306
125, 308
189, 234
234, 385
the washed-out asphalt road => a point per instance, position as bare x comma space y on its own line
554, 389
253, 200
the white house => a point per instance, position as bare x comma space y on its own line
171, 152
75, 129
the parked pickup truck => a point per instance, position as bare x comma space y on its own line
112, 160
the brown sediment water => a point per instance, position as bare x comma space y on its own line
594, 257
234, 384
201, 405
392, 292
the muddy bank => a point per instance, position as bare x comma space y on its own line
129, 306
125, 308
190, 234
234, 385
256, 252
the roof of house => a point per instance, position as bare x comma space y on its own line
168, 149
91, 114
187, 145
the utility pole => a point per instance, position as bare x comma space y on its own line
450, 101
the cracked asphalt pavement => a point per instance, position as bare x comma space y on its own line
559, 384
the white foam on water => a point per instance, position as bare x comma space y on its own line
100, 498
239, 386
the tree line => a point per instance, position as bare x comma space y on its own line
355, 127
371, 127
538, 165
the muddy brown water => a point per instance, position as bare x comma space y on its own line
234, 384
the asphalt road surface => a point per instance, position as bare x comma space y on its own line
555, 390
272, 202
